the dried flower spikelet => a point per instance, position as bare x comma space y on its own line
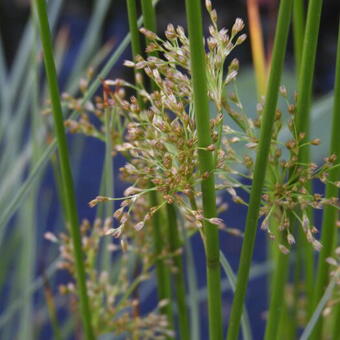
315, 141
316, 245
149, 34
170, 32
237, 27
51, 237
240, 40
129, 63
216, 221
331, 261
283, 91
283, 249
213, 16
163, 303
230, 77
97, 200
208, 5
124, 245
115, 232
139, 226
290, 239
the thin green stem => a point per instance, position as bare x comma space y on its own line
305, 87
330, 215
277, 291
162, 272
65, 166
298, 31
206, 164
149, 17
336, 327
133, 27
279, 49
175, 245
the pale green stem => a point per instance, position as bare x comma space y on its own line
279, 49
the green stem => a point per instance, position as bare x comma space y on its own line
277, 292
298, 31
65, 167
206, 164
336, 327
149, 17
133, 27
260, 165
329, 229
305, 87
175, 245
162, 272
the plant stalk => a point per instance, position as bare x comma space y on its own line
65, 167
206, 164
162, 272
329, 230
277, 306
175, 246
298, 31
305, 88
149, 17
279, 49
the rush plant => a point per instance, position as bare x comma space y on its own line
187, 146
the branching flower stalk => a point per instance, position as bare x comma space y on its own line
163, 275
65, 167
114, 307
261, 160
170, 212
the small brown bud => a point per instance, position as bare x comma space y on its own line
315, 141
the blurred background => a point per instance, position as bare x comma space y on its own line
87, 33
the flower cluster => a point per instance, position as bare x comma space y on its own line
113, 302
156, 132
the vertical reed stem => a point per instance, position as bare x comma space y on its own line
162, 272
149, 17
65, 167
329, 230
305, 87
175, 246
260, 165
206, 162
133, 27
277, 292
298, 31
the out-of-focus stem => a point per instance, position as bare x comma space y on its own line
257, 46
